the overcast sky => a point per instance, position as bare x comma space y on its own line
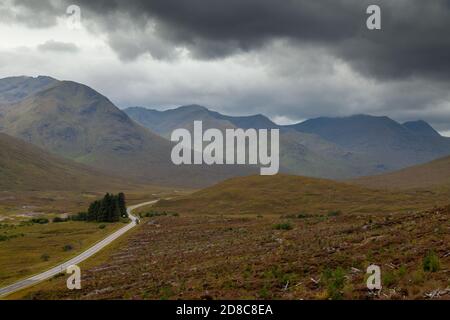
290, 60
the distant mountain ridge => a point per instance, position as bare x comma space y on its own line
336, 148
382, 139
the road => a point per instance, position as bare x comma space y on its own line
78, 259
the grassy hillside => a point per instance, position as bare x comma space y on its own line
76, 122
26, 167
293, 195
435, 174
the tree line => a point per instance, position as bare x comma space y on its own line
110, 209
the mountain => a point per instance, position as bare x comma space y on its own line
430, 175
14, 89
26, 167
390, 144
164, 122
421, 128
74, 121
300, 153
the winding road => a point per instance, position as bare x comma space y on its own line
78, 259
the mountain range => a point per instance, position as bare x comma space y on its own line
72, 121
337, 148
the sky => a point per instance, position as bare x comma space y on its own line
290, 60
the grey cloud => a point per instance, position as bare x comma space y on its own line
35, 14
52, 45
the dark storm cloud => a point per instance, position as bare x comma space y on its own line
413, 42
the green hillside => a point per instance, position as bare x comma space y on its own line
26, 167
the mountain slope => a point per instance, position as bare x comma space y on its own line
293, 195
433, 174
26, 167
75, 121
392, 145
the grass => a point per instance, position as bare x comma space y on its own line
431, 262
42, 246
240, 257
27, 248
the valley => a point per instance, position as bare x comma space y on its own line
195, 256
289, 238
353, 191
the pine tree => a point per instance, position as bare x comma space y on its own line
122, 205
109, 209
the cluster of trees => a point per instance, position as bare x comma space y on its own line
110, 209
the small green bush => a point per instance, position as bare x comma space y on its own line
334, 281
152, 214
80, 216
68, 247
58, 220
389, 279
334, 213
431, 262
283, 226
45, 257
40, 220
102, 226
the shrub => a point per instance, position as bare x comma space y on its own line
102, 226
152, 214
431, 262
68, 247
334, 281
45, 257
80, 216
283, 226
40, 220
58, 219
389, 279
334, 213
